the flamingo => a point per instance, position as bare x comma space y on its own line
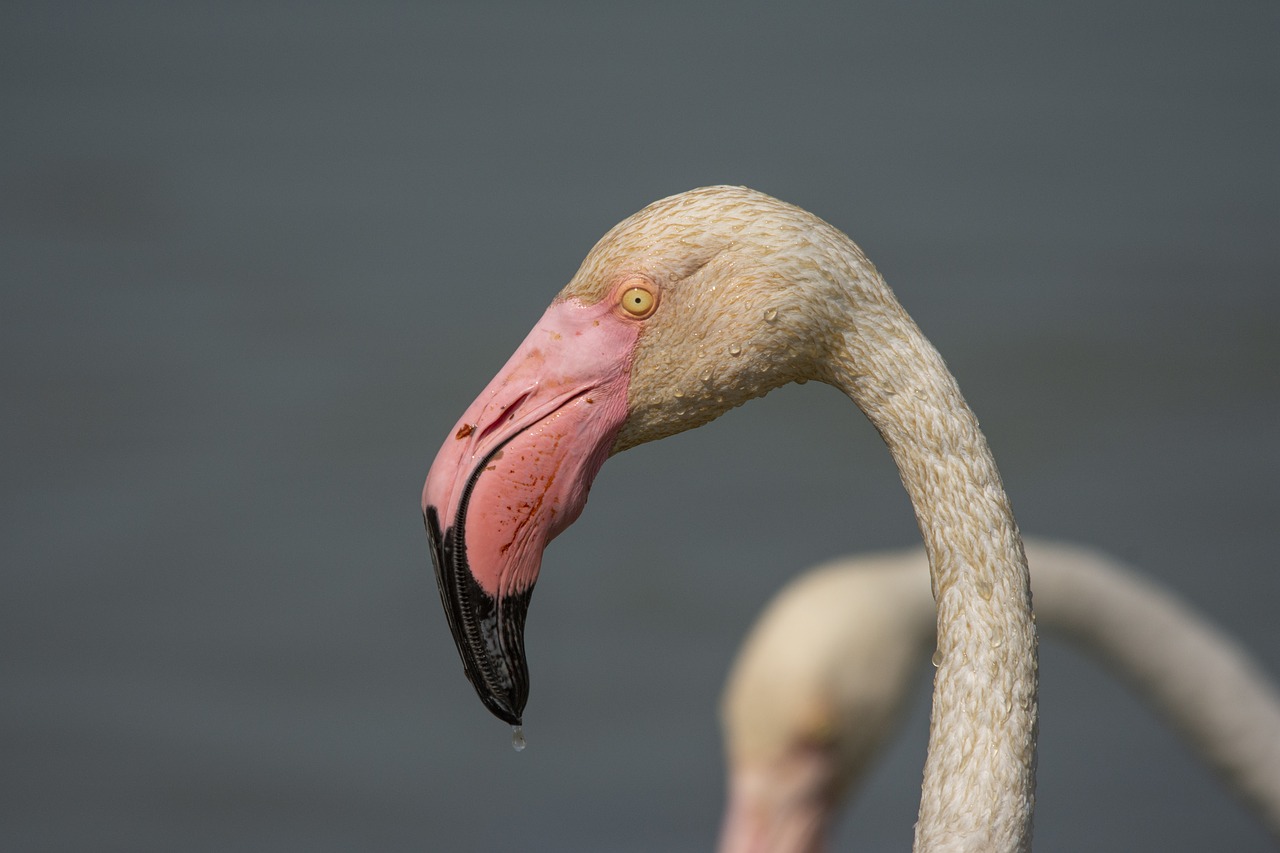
686, 309
821, 680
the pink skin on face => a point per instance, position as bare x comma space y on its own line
784, 804
542, 429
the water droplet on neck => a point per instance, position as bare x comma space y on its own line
706, 376
734, 349
679, 394
517, 738
770, 315
936, 660
984, 589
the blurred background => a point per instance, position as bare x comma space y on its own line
256, 258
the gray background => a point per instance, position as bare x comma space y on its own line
256, 258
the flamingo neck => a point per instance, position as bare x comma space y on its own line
979, 778
1196, 676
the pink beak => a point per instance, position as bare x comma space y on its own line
513, 475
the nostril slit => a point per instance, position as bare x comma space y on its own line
506, 415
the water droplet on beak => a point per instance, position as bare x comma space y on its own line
517, 738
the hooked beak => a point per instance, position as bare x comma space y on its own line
513, 475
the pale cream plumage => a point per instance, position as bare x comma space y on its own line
820, 682
692, 306
756, 293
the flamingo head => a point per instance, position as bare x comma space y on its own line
686, 309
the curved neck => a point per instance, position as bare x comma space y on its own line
1198, 678
979, 777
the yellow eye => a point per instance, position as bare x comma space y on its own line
638, 302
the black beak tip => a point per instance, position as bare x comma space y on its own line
502, 708
488, 631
